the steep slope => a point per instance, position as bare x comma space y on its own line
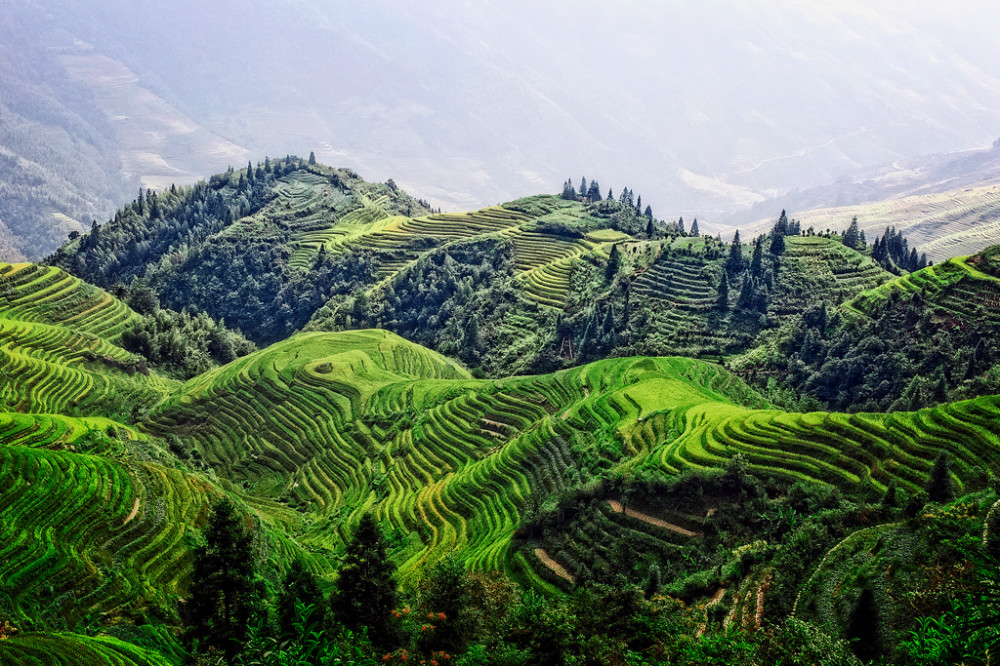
334, 424
920, 339
58, 350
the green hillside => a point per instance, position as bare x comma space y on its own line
920, 339
522, 287
334, 424
310, 432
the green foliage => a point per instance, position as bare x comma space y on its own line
366, 592
226, 596
300, 602
940, 487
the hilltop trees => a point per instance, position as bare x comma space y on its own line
366, 592
225, 594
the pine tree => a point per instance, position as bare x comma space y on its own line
366, 592
757, 260
649, 228
694, 228
594, 193
680, 225
851, 237
722, 302
734, 263
300, 585
312, 157
583, 187
648, 212
939, 484
611, 195
614, 264
250, 176
225, 595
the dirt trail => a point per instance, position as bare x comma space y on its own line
135, 510
714, 601
652, 520
552, 564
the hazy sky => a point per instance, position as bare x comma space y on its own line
700, 106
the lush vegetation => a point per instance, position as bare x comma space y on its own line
169, 493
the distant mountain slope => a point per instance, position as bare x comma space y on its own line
942, 224
59, 166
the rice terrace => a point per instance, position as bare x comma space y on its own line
276, 413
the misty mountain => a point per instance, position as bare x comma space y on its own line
704, 108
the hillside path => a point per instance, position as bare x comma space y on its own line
552, 564
652, 520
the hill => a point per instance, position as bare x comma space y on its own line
522, 287
920, 339
309, 433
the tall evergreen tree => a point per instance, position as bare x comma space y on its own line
312, 158
734, 262
694, 228
225, 594
851, 236
614, 264
722, 301
583, 186
757, 260
366, 592
939, 484
649, 228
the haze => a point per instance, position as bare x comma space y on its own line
702, 107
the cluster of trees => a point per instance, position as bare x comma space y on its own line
451, 299
893, 251
182, 344
901, 358
756, 277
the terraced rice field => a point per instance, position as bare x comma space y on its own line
48, 295
954, 289
823, 270
338, 423
56, 347
43, 649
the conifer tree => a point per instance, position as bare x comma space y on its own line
694, 228
851, 237
648, 212
583, 186
614, 264
734, 263
649, 228
366, 592
757, 260
722, 302
939, 484
611, 195
680, 226
225, 595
